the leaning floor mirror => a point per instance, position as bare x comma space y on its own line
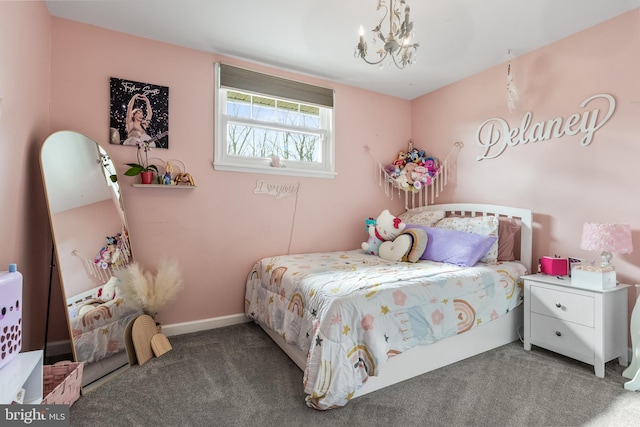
91, 239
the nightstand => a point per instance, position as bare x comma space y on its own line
584, 324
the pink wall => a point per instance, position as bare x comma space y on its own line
218, 230
83, 230
25, 35
564, 183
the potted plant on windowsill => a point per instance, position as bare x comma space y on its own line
142, 168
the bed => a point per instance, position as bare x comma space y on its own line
355, 323
98, 329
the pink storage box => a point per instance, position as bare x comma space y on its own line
10, 314
554, 266
61, 383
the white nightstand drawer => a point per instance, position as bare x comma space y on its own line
585, 324
563, 337
562, 305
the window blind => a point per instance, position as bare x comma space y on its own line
242, 79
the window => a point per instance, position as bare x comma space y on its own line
259, 117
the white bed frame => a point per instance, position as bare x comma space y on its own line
425, 358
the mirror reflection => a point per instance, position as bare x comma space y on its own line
91, 240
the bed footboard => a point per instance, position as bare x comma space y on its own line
426, 358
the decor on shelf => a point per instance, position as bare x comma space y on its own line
152, 292
142, 168
397, 44
175, 173
184, 179
607, 238
168, 175
146, 177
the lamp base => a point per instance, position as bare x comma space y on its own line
606, 259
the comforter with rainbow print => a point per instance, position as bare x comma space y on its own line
350, 312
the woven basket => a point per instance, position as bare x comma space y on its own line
61, 382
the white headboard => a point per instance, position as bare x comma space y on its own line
524, 215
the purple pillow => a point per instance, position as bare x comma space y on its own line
455, 247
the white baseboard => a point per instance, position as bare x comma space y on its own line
57, 348
204, 324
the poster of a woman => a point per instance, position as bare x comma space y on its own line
139, 113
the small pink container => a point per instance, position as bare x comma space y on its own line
554, 266
10, 314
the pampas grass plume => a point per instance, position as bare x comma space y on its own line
149, 291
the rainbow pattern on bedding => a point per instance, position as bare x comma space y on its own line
100, 333
351, 311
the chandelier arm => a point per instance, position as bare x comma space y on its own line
395, 61
396, 43
377, 30
376, 62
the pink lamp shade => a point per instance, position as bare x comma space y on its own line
607, 238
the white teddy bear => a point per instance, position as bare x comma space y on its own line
387, 227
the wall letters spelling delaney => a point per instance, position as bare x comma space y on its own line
494, 135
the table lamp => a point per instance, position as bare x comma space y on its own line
607, 238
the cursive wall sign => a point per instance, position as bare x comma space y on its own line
276, 190
494, 135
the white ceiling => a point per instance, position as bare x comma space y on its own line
458, 38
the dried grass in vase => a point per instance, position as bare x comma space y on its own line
149, 291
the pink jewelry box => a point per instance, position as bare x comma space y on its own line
10, 314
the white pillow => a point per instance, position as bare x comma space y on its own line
421, 216
484, 225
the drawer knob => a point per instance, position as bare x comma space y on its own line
558, 305
558, 333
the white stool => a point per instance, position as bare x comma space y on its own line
633, 371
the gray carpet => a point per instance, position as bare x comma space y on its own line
237, 376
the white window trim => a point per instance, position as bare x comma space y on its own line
225, 162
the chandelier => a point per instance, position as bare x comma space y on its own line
397, 44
